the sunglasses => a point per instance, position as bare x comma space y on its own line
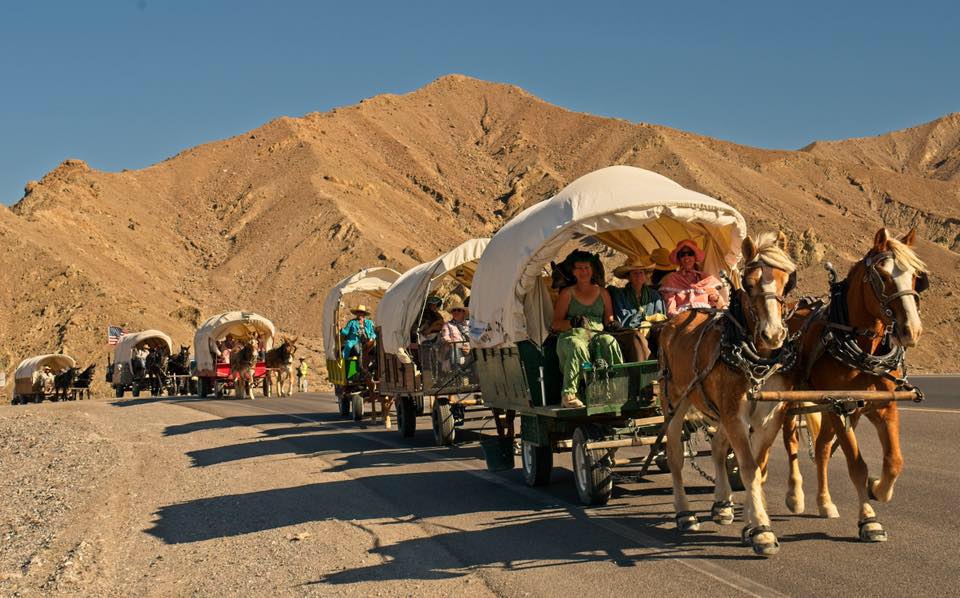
685, 253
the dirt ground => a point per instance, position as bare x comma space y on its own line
95, 499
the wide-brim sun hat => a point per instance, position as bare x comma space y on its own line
661, 259
455, 302
698, 255
360, 309
644, 263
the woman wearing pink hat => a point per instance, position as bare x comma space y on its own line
688, 287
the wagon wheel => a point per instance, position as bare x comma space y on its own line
592, 469
407, 417
537, 463
444, 431
357, 404
344, 402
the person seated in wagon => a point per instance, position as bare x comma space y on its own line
357, 333
637, 306
432, 321
580, 315
689, 287
455, 333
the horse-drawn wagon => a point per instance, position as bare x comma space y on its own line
35, 378
229, 350
354, 380
435, 376
139, 363
626, 209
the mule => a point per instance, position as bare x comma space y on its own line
84, 379
243, 364
279, 361
62, 383
859, 344
156, 371
698, 369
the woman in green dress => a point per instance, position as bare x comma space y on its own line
581, 312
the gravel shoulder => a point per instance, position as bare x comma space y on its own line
105, 500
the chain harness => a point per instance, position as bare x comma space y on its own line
739, 351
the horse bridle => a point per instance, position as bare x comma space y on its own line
872, 276
781, 299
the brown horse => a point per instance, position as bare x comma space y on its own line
713, 360
279, 361
243, 364
859, 344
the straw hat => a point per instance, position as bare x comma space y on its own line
698, 255
455, 302
643, 262
661, 259
360, 309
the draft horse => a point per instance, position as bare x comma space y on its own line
858, 342
713, 361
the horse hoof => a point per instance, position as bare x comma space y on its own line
722, 512
796, 504
872, 531
761, 539
829, 511
687, 521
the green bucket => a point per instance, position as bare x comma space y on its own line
498, 452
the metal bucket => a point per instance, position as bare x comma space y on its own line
498, 453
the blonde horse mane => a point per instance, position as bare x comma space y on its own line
905, 257
769, 252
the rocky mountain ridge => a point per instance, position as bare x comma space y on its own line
268, 220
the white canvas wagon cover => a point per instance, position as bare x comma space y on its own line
370, 281
56, 361
23, 375
123, 353
401, 304
241, 324
629, 209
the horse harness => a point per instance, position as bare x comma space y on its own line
839, 338
738, 351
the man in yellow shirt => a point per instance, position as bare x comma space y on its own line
302, 370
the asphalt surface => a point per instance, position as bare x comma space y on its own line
541, 542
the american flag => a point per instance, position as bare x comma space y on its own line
114, 333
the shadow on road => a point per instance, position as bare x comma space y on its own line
243, 421
396, 496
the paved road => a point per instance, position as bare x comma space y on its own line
541, 542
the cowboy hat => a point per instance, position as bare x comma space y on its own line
698, 255
643, 262
661, 259
455, 302
360, 309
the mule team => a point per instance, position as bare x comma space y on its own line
854, 342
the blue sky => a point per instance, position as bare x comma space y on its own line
127, 83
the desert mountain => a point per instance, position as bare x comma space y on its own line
270, 219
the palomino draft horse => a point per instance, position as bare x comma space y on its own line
858, 343
714, 360
243, 364
279, 361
